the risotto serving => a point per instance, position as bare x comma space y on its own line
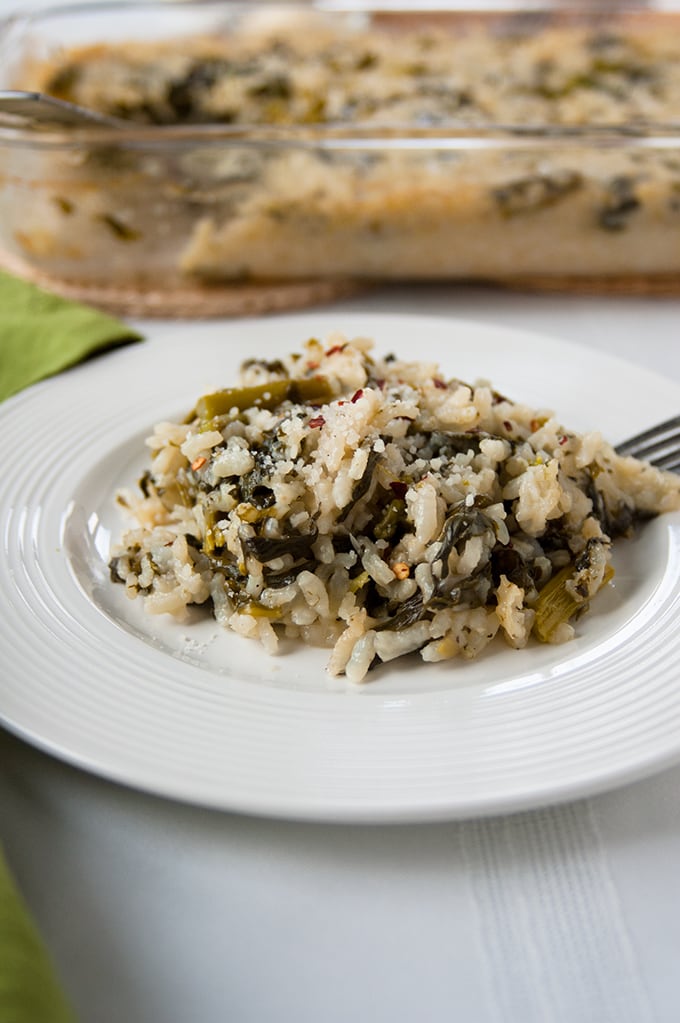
370, 505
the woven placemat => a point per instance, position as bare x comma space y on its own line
191, 301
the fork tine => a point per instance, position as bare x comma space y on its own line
658, 441
671, 462
662, 453
668, 459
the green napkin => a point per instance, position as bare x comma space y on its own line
42, 334
29, 989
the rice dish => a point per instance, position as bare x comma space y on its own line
372, 506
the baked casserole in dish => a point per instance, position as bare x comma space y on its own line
259, 142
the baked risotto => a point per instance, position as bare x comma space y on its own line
372, 506
394, 144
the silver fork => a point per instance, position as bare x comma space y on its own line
659, 445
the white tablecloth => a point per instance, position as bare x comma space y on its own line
158, 912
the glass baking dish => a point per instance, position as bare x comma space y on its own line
270, 142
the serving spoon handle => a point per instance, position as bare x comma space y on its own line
39, 109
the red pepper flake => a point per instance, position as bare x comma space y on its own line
380, 383
313, 365
335, 349
357, 394
317, 422
441, 384
563, 440
198, 463
399, 488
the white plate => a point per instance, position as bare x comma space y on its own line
188, 711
